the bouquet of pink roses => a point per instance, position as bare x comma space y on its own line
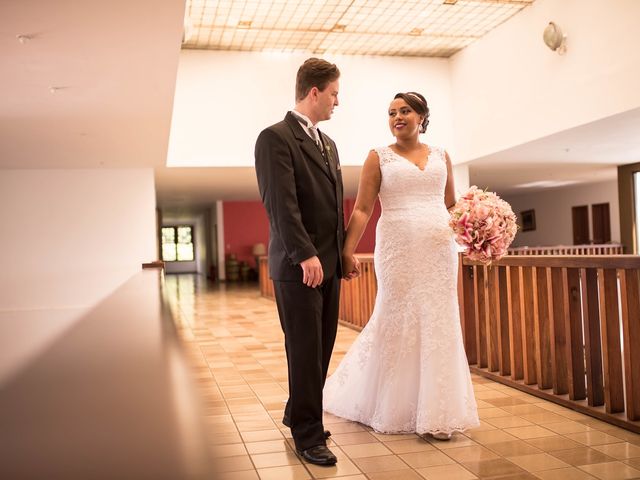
484, 224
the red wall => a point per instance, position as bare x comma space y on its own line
246, 223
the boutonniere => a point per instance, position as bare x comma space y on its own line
330, 155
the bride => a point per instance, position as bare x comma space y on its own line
407, 370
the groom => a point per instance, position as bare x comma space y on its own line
301, 187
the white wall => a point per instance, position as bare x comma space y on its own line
69, 238
553, 212
509, 88
224, 99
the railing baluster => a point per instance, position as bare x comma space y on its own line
593, 349
611, 351
492, 316
480, 314
542, 330
573, 327
504, 346
630, 293
557, 330
528, 326
515, 322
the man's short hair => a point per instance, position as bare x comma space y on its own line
314, 72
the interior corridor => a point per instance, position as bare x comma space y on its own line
235, 344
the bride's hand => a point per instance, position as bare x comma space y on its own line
350, 267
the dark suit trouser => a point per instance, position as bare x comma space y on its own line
309, 319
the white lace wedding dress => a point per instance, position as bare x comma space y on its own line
407, 370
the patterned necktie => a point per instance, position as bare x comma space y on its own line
316, 136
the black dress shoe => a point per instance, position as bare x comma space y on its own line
327, 434
318, 455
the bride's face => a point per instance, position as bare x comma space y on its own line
403, 120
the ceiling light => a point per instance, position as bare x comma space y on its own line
23, 38
416, 32
244, 24
450, 2
339, 28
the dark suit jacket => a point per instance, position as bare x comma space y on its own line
303, 199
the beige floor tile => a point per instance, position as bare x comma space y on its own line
343, 468
484, 425
425, 459
567, 426
550, 444
224, 438
415, 444
634, 462
276, 459
472, 453
233, 464
510, 421
395, 475
349, 477
534, 431
229, 450
582, 456
243, 475
611, 471
491, 436
592, 437
268, 446
354, 438
365, 450
543, 418
493, 468
261, 435
380, 464
346, 427
513, 448
619, 451
537, 462
485, 413
456, 441
570, 473
524, 409
448, 472
289, 472
383, 437
506, 401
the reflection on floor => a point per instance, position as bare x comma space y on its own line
235, 342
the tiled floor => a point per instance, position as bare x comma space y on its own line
236, 345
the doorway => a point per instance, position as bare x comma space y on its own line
601, 223
580, 222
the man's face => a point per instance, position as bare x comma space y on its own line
326, 100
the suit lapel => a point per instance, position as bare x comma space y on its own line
329, 154
308, 146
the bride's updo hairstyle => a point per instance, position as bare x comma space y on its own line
419, 104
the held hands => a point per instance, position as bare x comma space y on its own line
312, 274
350, 267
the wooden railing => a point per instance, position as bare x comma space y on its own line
604, 249
357, 296
565, 328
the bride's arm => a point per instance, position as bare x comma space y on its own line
449, 189
368, 190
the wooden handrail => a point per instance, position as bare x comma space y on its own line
589, 249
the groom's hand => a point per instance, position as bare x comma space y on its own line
312, 273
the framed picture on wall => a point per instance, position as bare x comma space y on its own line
528, 220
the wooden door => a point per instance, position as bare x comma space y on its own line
580, 221
601, 223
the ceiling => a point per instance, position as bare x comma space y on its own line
585, 154
431, 28
87, 83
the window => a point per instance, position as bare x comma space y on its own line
177, 244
